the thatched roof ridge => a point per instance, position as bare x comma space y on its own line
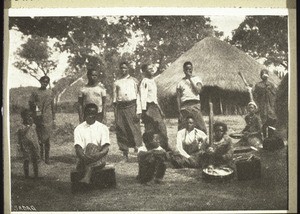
217, 63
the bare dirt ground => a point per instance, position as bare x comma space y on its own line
182, 189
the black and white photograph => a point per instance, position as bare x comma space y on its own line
168, 110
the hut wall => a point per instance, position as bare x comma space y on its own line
224, 102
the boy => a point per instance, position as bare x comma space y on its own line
91, 140
151, 159
93, 92
28, 143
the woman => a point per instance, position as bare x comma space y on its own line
41, 103
189, 144
220, 152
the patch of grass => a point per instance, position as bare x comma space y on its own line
182, 189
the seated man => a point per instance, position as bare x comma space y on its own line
91, 140
189, 143
220, 153
151, 158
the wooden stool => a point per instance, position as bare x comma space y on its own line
101, 178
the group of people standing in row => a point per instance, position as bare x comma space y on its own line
134, 101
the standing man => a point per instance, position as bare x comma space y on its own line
152, 114
93, 92
188, 98
41, 103
126, 99
264, 94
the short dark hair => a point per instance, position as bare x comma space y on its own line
149, 135
25, 113
187, 63
45, 78
123, 63
90, 70
89, 106
263, 71
218, 124
144, 67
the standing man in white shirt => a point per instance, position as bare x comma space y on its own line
152, 114
188, 98
91, 141
127, 102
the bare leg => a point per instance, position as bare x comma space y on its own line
26, 168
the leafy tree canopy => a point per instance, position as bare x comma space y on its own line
264, 37
96, 41
33, 57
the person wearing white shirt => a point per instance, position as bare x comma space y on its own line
127, 103
189, 145
91, 141
152, 114
188, 98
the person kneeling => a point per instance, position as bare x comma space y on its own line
91, 140
151, 159
189, 144
220, 152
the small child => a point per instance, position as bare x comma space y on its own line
252, 131
220, 153
28, 143
151, 158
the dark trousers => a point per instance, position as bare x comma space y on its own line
151, 166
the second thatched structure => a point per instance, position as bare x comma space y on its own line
217, 63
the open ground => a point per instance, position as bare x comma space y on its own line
182, 189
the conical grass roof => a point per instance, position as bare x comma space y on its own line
217, 63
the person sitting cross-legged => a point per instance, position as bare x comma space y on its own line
189, 143
151, 158
220, 152
91, 140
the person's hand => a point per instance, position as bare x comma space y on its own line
180, 117
210, 150
249, 88
137, 118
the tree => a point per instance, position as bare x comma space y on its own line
97, 41
34, 57
165, 38
264, 37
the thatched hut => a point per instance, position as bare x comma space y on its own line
218, 64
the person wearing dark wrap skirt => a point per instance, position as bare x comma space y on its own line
152, 115
188, 98
126, 99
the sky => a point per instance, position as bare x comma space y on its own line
17, 78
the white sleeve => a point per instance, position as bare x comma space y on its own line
138, 99
143, 92
78, 139
105, 136
180, 139
196, 80
114, 93
201, 135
